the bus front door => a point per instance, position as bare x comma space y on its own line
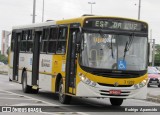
70, 83
36, 54
16, 56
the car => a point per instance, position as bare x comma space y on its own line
1, 63
153, 76
154, 68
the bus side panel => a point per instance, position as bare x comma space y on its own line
45, 82
59, 64
45, 72
25, 61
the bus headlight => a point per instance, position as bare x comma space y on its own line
141, 84
82, 77
86, 80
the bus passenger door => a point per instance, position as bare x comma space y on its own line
36, 54
71, 66
16, 56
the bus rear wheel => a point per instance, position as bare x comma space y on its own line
116, 101
25, 87
64, 99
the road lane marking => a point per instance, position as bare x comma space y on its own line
5, 98
30, 98
63, 113
45, 102
27, 104
82, 113
153, 103
6, 94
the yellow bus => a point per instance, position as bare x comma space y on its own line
89, 56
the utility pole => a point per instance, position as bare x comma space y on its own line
139, 10
34, 11
153, 54
43, 12
91, 3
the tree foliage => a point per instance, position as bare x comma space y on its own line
3, 59
157, 55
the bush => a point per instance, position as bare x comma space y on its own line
3, 59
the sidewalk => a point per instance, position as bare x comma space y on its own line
3, 69
154, 96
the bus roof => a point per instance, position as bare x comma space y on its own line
68, 21
35, 25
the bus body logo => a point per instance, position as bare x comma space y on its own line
45, 63
30, 61
116, 84
121, 65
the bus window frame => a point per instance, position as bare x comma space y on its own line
62, 40
53, 40
44, 40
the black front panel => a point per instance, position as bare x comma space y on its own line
71, 61
116, 24
16, 56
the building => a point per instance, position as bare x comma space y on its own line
5, 42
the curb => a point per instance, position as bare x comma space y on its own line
4, 73
153, 99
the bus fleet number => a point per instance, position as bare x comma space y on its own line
128, 82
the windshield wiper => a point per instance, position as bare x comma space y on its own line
128, 45
112, 49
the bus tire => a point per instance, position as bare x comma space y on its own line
10, 79
116, 101
159, 85
64, 99
25, 87
148, 85
35, 91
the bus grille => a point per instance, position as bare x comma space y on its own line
111, 85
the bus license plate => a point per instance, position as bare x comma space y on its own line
115, 92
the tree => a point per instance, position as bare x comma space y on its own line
3, 59
157, 55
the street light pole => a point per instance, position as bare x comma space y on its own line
139, 10
43, 12
153, 54
34, 11
91, 3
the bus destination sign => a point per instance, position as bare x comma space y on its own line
115, 24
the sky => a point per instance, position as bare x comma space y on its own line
19, 12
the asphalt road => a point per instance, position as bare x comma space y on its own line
11, 95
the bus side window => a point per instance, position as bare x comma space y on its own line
23, 45
52, 40
61, 46
29, 41
44, 42
12, 41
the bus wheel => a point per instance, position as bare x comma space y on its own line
10, 79
159, 85
148, 85
116, 101
35, 91
64, 99
25, 87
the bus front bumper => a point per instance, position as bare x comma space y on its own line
84, 90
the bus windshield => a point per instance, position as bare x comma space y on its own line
111, 51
